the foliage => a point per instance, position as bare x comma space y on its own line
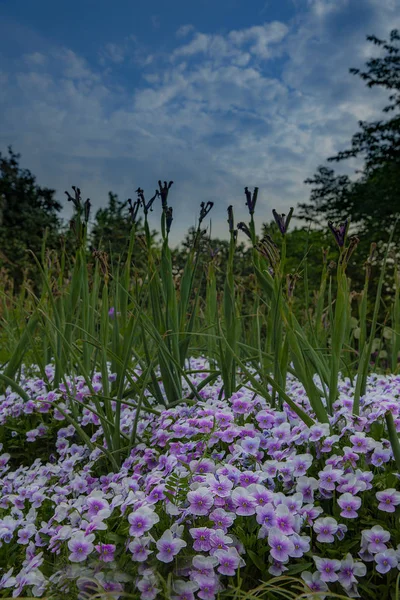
371, 200
28, 215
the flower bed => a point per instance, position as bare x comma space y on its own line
218, 494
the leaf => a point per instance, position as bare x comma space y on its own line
257, 560
299, 568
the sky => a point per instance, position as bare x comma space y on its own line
215, 95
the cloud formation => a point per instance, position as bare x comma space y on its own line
260, 105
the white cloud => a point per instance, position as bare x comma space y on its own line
74, 66
218, 113
36, 58
114, 52
323, 8
184, 30
259, 41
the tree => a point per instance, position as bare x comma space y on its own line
372, 201
27, 211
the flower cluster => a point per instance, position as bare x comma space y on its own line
223, 488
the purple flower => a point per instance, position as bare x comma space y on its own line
294, 502
327, 568
200, 501
222, 518
385, 561
219, 541
266, 515
388, 500
140, 548
241, 406
207, 587
318, 431
306, 486
201, 536
285, 521
169, 546
261, 494
301, 463
310, 513
248, 478
328, 477
326, 528
95, 504
7, 580
25, 534
204, 565
265, 419
32, 435
376, 538
277, 568
202, 466
349, 569
250, 445
184, 589
156, 494
81, 546
314, 582
270, 467
341, 531
142, 520
349, 505
380, 456
228, 561
106, 552
148, 585
243, 501
361, 443
301, 544
220, 487
280, 544
329, 442
350, 483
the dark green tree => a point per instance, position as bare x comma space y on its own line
372, 201
27, 211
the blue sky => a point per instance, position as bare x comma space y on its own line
213, 94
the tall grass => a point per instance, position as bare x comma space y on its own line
95, 314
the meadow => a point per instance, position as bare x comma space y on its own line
163, 437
